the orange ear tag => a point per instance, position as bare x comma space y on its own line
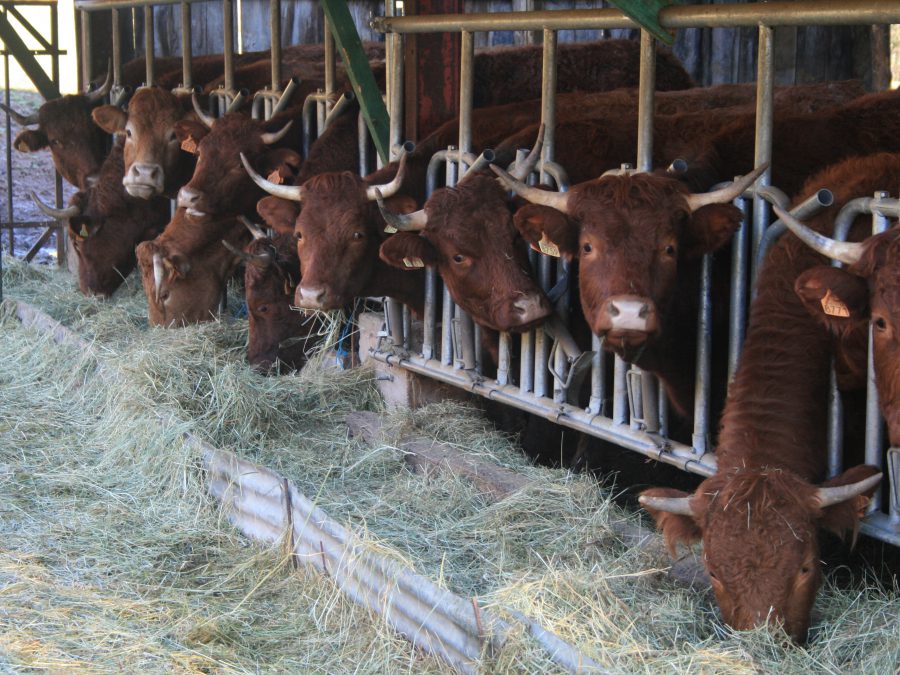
275, 177
833, 306
548, 247
189, 145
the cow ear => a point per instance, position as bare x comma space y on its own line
709, 228
676, 528
835, 297
81, 227
278, 213
30, 140
399, 204
408, 251
110, 118
280, 166
844, 516
178, 265
547, 230
190, 133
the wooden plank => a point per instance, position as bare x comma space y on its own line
646, 13
360, 73
20, 51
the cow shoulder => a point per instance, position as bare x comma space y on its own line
408, 251
110, 118
278, 213
835, 297
710, 227
544, 227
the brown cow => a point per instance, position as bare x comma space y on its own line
187, 288
155, 163
278, 333
757, 516
105, 224
64, 124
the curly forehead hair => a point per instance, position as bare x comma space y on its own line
623, 191
329, 182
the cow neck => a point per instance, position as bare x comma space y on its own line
407, 287
184, 171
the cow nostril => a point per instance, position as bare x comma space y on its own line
645, 310
613, 310
154, 173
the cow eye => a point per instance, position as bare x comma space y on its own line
587, 247
164, 296
56, 143
262, 309
358, 235
128, 133
670, 250
880, 323
298, 236
805, 569
458, 258
173, 137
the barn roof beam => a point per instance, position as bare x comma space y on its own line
25, 56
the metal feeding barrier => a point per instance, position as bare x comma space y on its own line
625, 405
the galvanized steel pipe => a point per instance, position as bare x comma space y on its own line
187, 56
148, 43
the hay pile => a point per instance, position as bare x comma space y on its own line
114, 560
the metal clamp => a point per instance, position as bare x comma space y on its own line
893, 470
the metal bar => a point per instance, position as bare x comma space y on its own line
116, 50
548, 98
42, 41
187, 55
646, 13
330, 74
503, 359
9, 181
148, 44
360, 73
38, 245
447, 329
801, 13
86, 50
228, 44
395, 89
765, 106
275, 41
99, 5
737, 320
19, 50
620, 391
598, 377
835, 425
647, 84
466, 90
430, 317
703, 366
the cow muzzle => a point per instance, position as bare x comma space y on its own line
528, 310
310, 297
627, 318
189, 199
144, 181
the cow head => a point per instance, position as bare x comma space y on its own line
468, 234
338, 231
759, 532
219, 184
631, 234
153, 153
278, 334
186, 287
846, 300
64, 125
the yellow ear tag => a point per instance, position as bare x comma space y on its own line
548, 247
275, 177
833, 306
413, 262
84, 234
389, 229
189, 145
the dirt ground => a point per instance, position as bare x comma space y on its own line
30, 171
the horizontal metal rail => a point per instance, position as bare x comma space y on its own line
808, 12
98, 5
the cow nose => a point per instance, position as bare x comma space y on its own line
629, 313
310, 297
146, 171
143, 180
187, 197
531, 308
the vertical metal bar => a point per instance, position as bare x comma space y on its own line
466, 90
362, 134
87, 49
548, 98
598, 377
765, 83
330, 76
702, 376
9, 180
228, 46
526, 365
447, 329
395, 90
116, 50
62, 233
148, 43
407, 326
275, 41
739, 289
503, 359
430, 316
54, 44
465, 359
394, 311
663, 410
646, 87
187, 54
620, 391
835, 425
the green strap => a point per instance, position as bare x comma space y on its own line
646, 13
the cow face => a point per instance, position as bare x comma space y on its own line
469, 236
277, 332
220, 185
152, 150
759, 533
868, 290
185, 288
64, 126
633, 236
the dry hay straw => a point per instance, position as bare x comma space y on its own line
114, 560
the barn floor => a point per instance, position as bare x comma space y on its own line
114, 560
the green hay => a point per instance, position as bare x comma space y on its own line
114, 560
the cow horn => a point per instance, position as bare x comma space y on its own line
389, 189
58, 214
255, 229
526, 166
158, 272
406, 222
291, 192
271, 137
97, 95
678, 505
845, 252
206, 119
556, 200
829, 496
261, 260
22, 120
726, 194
